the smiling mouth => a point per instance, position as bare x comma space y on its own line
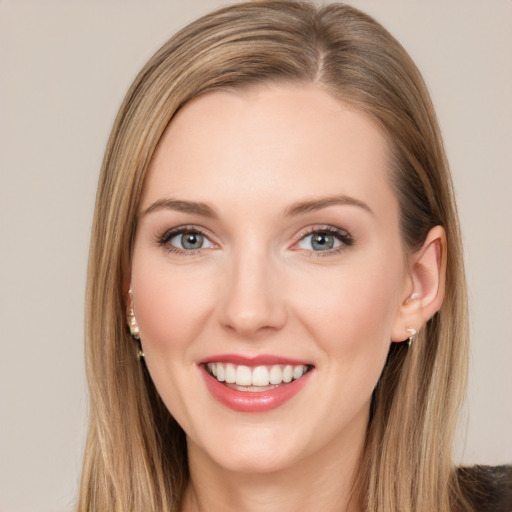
256, 378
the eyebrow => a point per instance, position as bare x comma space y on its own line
294, 209
324, 202
202, 209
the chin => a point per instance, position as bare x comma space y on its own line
250, 450
255, 461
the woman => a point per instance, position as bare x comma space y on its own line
275, 222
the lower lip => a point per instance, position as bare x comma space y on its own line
253, 401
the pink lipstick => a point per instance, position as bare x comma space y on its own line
254, 384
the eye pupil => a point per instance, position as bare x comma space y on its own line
192, 241
322, 242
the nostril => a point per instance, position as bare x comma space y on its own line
254, 317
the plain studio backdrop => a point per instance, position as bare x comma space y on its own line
64, 69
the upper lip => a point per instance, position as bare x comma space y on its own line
256, 360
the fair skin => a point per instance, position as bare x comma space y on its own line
289, 248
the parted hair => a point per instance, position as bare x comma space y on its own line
135, 454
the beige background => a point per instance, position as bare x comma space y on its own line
64, 67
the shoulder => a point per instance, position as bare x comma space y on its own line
487, 488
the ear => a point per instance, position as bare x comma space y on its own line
424, 286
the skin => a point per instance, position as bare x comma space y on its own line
257, 286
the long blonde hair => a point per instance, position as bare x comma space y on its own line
135, 456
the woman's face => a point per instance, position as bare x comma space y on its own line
267, 246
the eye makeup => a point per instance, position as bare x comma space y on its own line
192, 239
315, 241
324, 240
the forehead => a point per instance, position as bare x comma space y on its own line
275, 142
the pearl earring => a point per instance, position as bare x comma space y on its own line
130, 318
132, 325
412, 333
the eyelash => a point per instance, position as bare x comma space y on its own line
167, 236
341, 235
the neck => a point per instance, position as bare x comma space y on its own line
323, 481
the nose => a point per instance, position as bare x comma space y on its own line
253, 296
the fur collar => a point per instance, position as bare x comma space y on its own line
487, 488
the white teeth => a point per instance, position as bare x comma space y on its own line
243, 376
259, 376
298, 371
276, 375
221, 373
230, 373
287, 373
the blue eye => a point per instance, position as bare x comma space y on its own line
184, 240
189, 241
324, 240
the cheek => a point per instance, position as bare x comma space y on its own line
170, 305
351, 310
